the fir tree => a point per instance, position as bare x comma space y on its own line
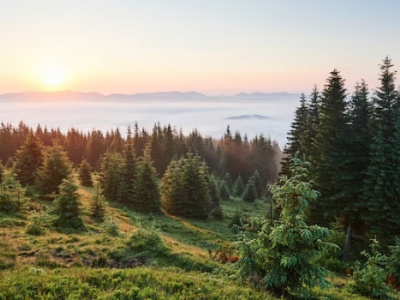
56, 167
146, 196
238, 187
125, 190
258, 182
331, 144
382, 188
68, 206
111, 175
85, 177
215, 198
288, 267
358, 152
97, 206
28, 160
250, 192
185, 188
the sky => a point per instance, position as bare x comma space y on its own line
210, 46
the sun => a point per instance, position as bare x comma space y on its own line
53, 79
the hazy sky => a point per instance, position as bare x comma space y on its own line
210, 46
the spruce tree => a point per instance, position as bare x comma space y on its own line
358, 153
283, 256
85, 177
56, 167
111, 175
215, 198
331, 144
125, 190
146, 195
97, 206
238, 187
258, 182
250, 191
68, 206
382, 188
28, 160
185, 188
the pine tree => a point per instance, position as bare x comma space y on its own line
296, 134
258, 182
85, 177
358, 153
282, 256
68, 206
223, 191
185, 188
146, 196
331, 144
56, 167
228, 183
238, 187
381, 190
125, 190
215, 198
97, 206
111, 175
28, 160
250, 192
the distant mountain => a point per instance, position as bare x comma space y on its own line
248, 117
177, 96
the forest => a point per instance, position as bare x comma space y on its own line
164, 215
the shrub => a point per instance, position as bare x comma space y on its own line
38, 224
369, 280
282, 256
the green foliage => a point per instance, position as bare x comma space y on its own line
282, 256
67, 207
118, 284
144, 243
146, 190
259, 183
56, 167
84, 174
111, 226
238, 187
12, 197
111, 175
250, 192
39, 224
394, 259
28, 159
185, 188
330, 162
369, 280
224, 191
380, 210
215, 199
97, 206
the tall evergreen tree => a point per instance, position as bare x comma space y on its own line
358, 155
111, 175
185, 188
125, 190
382, 188
68, 206
238, 187
28, 160
331, 147
85, 177
146, 195
56, 167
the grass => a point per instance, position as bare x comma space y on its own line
153, 256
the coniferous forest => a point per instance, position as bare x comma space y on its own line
168, 215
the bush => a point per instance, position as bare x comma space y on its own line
282, 256
112, 227
38, 224
369, 280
